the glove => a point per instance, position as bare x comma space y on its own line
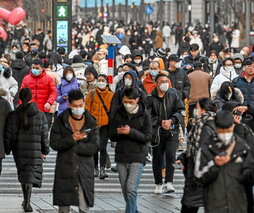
7, 73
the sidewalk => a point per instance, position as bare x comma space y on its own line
104, 203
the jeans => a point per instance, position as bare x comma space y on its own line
168, 145
83, 207
129, 176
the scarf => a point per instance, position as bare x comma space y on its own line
197, 123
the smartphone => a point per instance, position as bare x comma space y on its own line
237, 112
87, 131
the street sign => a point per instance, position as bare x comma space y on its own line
61, 11
149, 10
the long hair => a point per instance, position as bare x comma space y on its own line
25, 95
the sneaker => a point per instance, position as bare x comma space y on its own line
149, 157
170, 188
158, 189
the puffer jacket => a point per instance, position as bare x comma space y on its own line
95, 106
168, 107
220, 79
131, 148
247, 88
62, 90
180, 81
74, 162
27, 146
43, 89
222, 184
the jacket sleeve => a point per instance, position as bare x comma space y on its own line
52, 91
8, 135
187, 87
59, 98
88, 101
44, 136
145, 135
214, 88
91, 146
115, 102
57, 141
13, 86
248, 168
149, 106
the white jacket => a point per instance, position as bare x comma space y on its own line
10, 85
166, 31
235, 39
220, 79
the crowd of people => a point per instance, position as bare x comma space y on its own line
50, 98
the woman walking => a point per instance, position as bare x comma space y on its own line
26, 136
98, 103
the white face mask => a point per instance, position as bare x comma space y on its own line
69, 77
178, 64
137, 61
211, 61
130, 108
242, 52
229, 96
226, 137
229, 69
164, 87
120, 75
238, 66
215, 39
102, 85
78, 111
195, 113
127, 82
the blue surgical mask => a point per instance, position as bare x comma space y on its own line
78, 111
153, 73
36, 72
1, 67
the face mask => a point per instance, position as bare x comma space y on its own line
229, 96
36, 72
164, 87
78, 111
211, 61
216, 40
69, 77
226, 137
195, 113
102, 85
130, 107
241, 52
137, 61
178, 65
14, 51
153, 73
238, 66
127, 82
229, 69
120, 75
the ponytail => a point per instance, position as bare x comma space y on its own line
25, 95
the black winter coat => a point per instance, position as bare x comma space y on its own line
27, 146
75, 162
132, 148
168, 107
180, 82
5, 109
224, 190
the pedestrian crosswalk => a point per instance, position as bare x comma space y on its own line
9, 183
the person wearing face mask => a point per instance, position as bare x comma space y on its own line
79, 68
238, 59
130, 80
98, 103
135, 41
75, 137
91, 80
131, 128
118, 78
221, 162
202, 124
68, 82
137, 59
42, 86
216, 45
178, 77
214, 64
227, 93
166, 109
227, 73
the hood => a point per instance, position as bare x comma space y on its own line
135, 53
18, 64
124, 50
230, 75
238, 56
134, 77
32, 109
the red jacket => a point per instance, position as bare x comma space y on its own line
43, 89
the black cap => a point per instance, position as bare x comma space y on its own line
174, 57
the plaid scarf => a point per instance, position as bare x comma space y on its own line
197, 123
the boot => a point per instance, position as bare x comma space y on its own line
96, 172
28, 192
103, 174
24, 194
